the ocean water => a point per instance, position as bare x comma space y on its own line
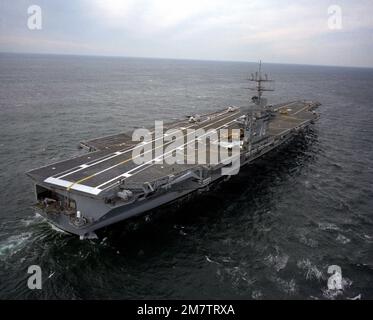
269, 233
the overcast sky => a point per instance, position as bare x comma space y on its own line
286, 31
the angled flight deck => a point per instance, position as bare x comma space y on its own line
99, 170
91, 172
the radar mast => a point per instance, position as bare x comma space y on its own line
260, 87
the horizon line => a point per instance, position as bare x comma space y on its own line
181, 59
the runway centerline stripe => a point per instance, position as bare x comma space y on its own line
122, 151
150, 162
127, 160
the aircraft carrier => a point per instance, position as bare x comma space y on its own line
106, 185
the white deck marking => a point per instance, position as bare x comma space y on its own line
106, 157
79, 187
87, 166
174, 150
307, 106
57, 182
86, 189
289, 104
118, 164
151, 161
123, 151
96, 190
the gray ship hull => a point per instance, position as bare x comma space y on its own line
125, 212
109, 184
91, 211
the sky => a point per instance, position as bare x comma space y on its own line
277, 31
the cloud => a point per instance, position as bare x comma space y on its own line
283, 31
147, 16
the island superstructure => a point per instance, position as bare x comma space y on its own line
105, 185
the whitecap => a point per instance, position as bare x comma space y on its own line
311, 271
55, 228
308, 241
342, 239
31, 220
277, 261
327, 226
14, 243
256, 294
210, 261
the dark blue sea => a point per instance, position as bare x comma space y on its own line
269, 233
